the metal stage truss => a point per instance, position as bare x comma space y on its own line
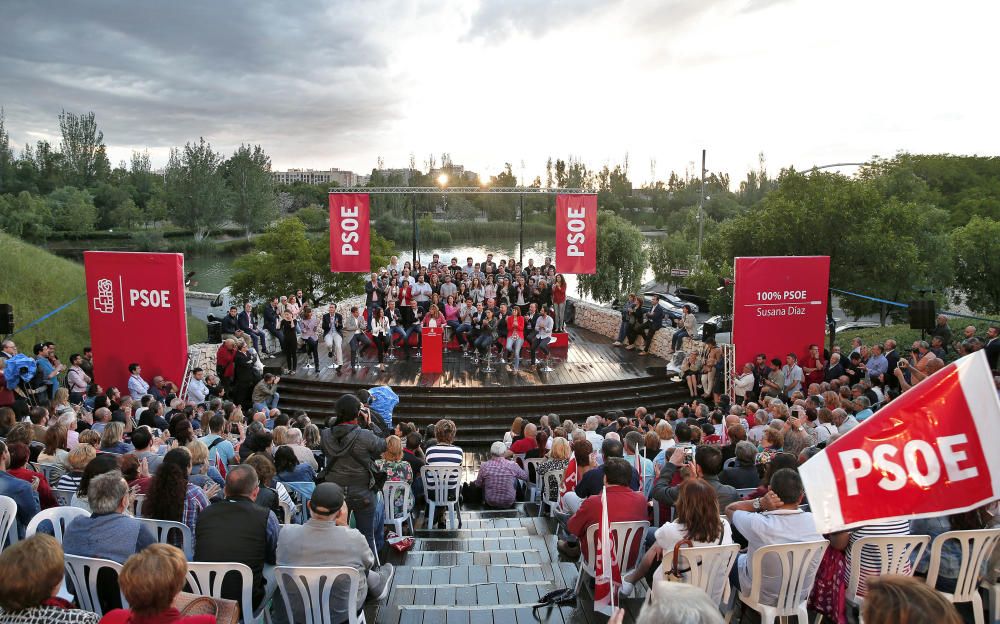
521, 191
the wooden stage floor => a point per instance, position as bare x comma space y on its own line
589, 358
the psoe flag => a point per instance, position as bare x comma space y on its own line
924, 454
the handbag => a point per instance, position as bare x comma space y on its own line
225, 611
675, 574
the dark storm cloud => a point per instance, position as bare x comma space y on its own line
160, 74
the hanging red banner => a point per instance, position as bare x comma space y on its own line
350, 243
576, 233
928, 453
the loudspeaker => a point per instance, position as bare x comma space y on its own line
215, 332
922, 314
6, 318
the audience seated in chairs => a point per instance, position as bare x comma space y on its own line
20, 491
498, 476
88, 536
150, 581
624, 503
906, 600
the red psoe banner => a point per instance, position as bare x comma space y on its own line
930, 452
576, 233
137, 314
779, 306
350, 239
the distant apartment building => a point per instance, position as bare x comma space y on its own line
323, 176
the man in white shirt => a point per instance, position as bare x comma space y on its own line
590, 430
543, 334
793, 374
197, 390
293, 440
137, 386
775, 518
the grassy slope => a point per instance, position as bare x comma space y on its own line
35, 282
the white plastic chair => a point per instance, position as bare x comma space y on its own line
445, 482
741, 492
165, 532
287, 513
707, 567
205, 579
64, 496
82, 573
8, 520
626, 536
391, 492
552, 478
894, 555
729, 463
52, 472
535, 486
992, 588
301, 493
137, 505
977, 547
58, 518
314, 586
799, 563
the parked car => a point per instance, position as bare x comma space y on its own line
673, 312
675, 301
689, 295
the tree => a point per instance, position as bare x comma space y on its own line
285, 258
196, 192
621, 260
25, 216
126, 213
6, 157
143, 182
248, 175
82, 149
977, 265
72, 210
671, 252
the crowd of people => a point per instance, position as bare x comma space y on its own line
227, 463
482, 306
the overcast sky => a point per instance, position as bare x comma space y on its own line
341, 83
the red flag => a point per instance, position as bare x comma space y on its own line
607, 570
922, 455
576, 233
568, 482
350, 245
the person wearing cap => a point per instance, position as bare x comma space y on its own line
327, 540
498, 476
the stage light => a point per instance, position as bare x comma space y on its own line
443, 180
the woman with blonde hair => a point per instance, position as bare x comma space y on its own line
150, 581
397, 469
202, 473
111, 439
77, 461
279, 435
557, 461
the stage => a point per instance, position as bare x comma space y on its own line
591, 376
589, 358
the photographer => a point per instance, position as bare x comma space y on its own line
351, 449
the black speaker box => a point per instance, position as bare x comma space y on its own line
6, 318
922, 315
215, 332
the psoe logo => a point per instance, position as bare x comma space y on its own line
104, 302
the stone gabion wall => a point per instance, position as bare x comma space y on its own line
606, 321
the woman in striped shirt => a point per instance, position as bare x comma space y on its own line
442, 453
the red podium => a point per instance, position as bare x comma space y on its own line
432, 349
